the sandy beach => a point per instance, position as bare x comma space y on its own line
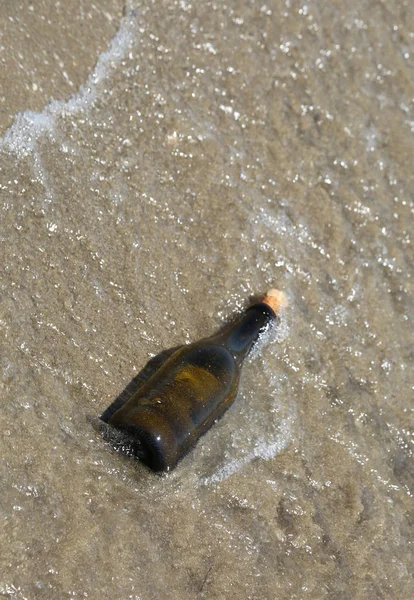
160, 165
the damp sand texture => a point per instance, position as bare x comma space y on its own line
161, 163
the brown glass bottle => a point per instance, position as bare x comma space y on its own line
191, 389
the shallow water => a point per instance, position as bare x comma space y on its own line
208, 152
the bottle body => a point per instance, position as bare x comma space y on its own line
179, 403
174, 407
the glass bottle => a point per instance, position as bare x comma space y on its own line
188, 391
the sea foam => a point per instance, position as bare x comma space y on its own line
29, 126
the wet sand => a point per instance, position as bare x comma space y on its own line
203, 154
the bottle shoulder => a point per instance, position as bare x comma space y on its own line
206, 355
205, 351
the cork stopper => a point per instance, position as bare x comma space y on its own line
275, 299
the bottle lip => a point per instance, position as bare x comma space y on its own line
263, 306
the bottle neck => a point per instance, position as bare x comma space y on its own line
242, 334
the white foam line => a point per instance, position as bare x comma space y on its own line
265, 449
21, 137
